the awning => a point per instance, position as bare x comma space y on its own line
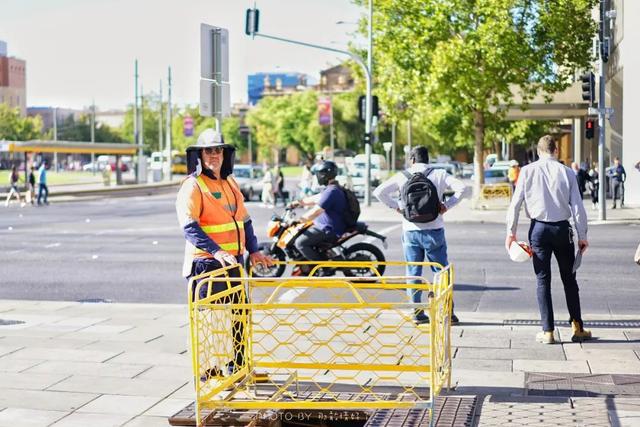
69, 147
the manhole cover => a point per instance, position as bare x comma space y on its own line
581, 385
589, 323
6, 322
95, 300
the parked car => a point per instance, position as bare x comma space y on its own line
496, 175
467, 170
249, 178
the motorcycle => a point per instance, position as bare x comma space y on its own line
284, 230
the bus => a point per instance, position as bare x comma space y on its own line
178, 162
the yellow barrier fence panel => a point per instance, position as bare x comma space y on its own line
309, 342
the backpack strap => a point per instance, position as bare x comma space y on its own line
406, 173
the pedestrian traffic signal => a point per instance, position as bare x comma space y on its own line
252, 22
589, 129
362, 107
588, 87
367, 138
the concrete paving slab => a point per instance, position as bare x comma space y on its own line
528, 365
6, 348
145, 421
114, 385
16, 364
78, 419
159, 372
577, 352
481, 341
12, 417
65, 354
125, 405
44, 400
603, 366
474, 378
103, 329
483, 365
81, 322
155, 346
139, 358
130, 335
88, 368
187, 391
168, 407
27, 341
13, 380
549, 352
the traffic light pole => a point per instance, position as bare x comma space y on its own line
602, 212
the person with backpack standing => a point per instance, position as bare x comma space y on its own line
332, 214
421, 190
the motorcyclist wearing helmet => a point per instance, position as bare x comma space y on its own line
327, 212
215, 222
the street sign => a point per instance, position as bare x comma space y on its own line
215, 99
387, 146
187, 126
214, 53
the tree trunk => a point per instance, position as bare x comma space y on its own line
497, 148
478, 155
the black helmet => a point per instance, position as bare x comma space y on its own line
326, 172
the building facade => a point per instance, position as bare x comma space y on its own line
274, 84
336, 80
13, 80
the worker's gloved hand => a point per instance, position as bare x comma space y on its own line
224, 258
260, 258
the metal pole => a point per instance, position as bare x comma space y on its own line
393, 147
55, 137
601, 145
367, 126
160, 128
140, 153
250, 149
93, 135
135, 119
331, 126
169, 124
406, 159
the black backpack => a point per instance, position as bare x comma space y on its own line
420, 198
352, 213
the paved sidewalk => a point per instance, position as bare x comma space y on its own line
81, 364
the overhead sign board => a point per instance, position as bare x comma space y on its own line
214, 53
215, 99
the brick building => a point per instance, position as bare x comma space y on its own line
13, 80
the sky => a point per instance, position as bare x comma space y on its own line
78, 51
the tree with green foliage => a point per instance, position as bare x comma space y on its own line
150, 111
461, 61
14, 127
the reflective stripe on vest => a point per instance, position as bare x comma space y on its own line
223, 225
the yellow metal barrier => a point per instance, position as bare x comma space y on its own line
495, 196
319, 342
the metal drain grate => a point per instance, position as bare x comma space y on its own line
6, 322
581, 385
587, 323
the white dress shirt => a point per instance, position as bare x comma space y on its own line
389, 191
549, 191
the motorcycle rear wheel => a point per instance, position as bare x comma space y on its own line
274, 271
363, 252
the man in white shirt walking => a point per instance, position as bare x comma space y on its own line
422, 239
549, 191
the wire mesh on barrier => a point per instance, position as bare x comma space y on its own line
302, 343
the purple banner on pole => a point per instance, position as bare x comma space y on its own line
187, 126
324, 111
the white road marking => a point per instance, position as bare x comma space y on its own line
384, 232
52, 245
94, 257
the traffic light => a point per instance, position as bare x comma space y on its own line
362, 107
367, 138
252, 22
603, 35
588, 87
589, 129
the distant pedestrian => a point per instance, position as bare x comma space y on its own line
279, 186
422, 239
593, 184
306, 181
513, 173
581, 176
618, 177
43, 190
14, 178
549, 191
267, 187
31, 192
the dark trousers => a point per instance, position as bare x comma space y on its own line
594, 194
308, 240
43, 190
237, 326
554, 239
280, 195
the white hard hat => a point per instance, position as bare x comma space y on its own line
519, 251
208, 138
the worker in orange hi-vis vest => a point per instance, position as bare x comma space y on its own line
216, 224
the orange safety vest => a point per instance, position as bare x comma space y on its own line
222, 215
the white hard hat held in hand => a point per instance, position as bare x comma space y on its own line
519, 251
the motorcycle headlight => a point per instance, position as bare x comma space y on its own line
272, 228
